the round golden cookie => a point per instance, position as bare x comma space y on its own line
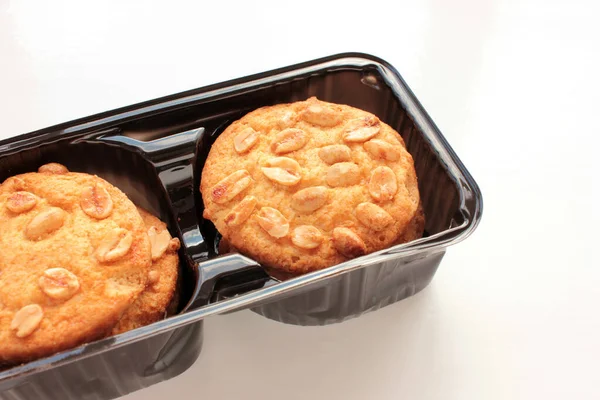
74, 255
159, 297
303, 186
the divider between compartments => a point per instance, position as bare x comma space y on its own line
174, 158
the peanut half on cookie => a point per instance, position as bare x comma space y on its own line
74, 256
306, 185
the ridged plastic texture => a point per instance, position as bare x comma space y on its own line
113, 373
355, 293
155, 151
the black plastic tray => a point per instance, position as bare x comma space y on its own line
154, 152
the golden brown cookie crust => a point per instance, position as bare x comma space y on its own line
413, 231
66, 277
310, 184
159, 295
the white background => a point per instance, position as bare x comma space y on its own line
514, 311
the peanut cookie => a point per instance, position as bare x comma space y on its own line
75, 255
303, 186
160, 294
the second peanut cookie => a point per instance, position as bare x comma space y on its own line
307, 185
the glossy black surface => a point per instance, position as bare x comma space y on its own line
154, 152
